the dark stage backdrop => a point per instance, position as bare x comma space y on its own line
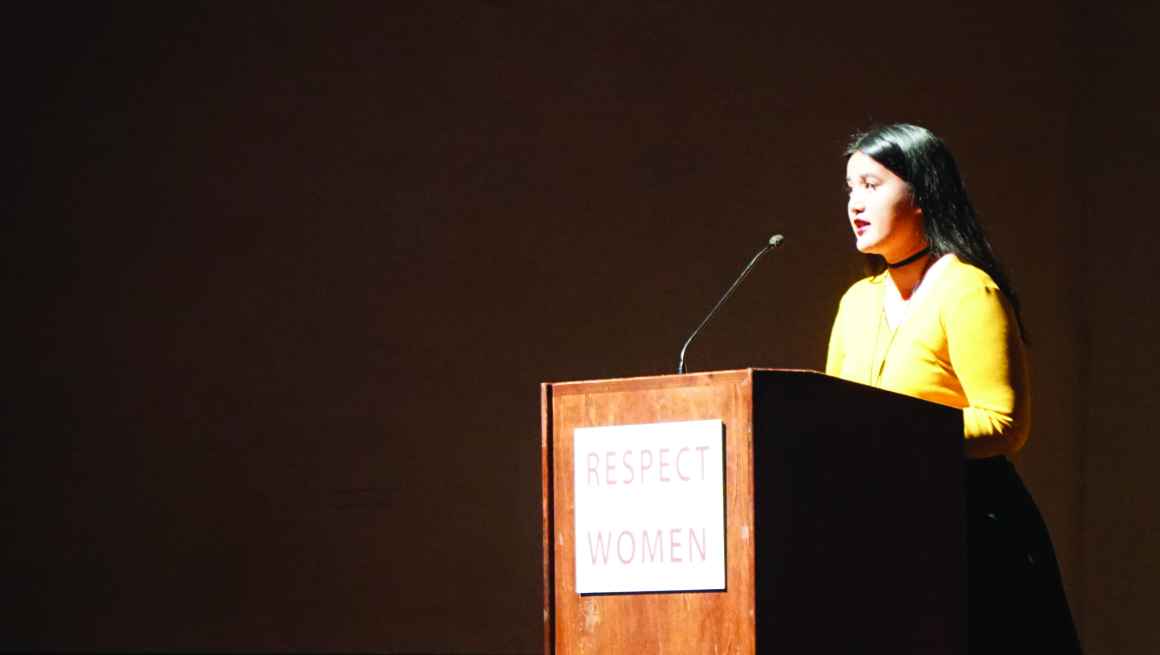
284, 279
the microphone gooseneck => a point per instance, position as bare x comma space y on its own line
774, 241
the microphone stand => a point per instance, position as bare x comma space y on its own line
774, 241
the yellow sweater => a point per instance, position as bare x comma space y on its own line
958, 346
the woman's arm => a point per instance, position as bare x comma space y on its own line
836, 353
986, 352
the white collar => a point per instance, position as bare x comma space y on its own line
897, 310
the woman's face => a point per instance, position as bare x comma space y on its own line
881, 210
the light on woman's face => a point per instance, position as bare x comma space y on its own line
881, 210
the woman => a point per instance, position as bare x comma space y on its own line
941, 322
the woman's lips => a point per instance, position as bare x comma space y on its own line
860, 226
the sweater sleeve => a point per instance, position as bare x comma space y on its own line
836, 352
986, 352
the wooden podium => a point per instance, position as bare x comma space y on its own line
843, 519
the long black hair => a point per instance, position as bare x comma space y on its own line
949, 223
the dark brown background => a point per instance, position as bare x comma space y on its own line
284, 280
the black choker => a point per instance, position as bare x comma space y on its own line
909, 260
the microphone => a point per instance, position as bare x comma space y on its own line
774, 241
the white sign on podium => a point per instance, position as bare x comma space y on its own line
650, 507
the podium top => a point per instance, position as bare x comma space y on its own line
673, 379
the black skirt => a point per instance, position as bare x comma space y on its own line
1015, 597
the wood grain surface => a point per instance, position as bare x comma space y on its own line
843, 519
689, 622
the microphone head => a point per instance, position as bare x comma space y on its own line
776, 240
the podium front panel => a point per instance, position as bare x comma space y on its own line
685, 622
